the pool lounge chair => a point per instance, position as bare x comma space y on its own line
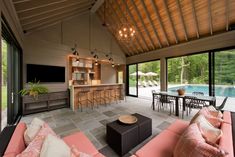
144, 83
151, 83
155, 83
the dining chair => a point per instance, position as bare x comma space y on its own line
223, 104
189, 102
198, 103
166, 101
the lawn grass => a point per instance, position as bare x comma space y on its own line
4, 97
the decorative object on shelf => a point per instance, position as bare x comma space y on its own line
75, 53
181, 91
126, 32
34, 89
128, 119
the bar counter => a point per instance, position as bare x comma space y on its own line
76, 89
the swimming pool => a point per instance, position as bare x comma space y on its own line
219, 90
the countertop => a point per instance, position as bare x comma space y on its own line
112, 84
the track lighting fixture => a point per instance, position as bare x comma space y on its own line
113, 65
77, 60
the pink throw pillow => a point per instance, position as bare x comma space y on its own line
34, 147
215, 121
76, 153
192, 144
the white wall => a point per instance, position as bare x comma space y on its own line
108, 74
51, 47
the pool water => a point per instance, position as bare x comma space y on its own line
219, 90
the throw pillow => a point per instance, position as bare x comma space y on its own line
53, 146
209, 132
34, 148
76, 153
215, 121
32, 130
215, 112
192, 144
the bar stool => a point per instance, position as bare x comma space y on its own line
98, 96
117, 94
108, 92
83, 96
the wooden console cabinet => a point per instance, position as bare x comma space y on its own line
45, 102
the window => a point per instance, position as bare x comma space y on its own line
189, 72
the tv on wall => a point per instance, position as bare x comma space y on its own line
45, 73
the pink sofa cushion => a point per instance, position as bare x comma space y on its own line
10, 155
226, 141
81, 142
227, 117
16, 144
34, 147
178, 127
192, 144
161, 145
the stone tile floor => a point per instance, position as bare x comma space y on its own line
93, 122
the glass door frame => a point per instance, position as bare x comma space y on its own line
127, 80
8, 35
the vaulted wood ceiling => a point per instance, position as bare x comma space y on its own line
35, 14
163, 23
158, 23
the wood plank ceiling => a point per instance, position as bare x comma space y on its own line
37, 14
163, 23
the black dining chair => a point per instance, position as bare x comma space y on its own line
166, 101
198, 103
189, 102
220, 108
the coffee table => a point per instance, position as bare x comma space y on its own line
122, 137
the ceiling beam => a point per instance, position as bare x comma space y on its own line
34, 4
51, 23
46, 11
182, 19
143, 24
151, 22
160, 21
20, 1
135, 24
195, 18
210, 17
111, 29
123, 16
52, 14
227, 9
54, 19
68, 3
97, 5
171, 22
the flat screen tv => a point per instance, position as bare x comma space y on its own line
45, 73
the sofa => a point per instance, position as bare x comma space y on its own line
163, 144
79, 140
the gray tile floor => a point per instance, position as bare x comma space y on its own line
93, 122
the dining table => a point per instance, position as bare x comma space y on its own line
210, 99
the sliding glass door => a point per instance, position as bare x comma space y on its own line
4, 83
11, 81
132, 80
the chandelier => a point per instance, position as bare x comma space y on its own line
126, 31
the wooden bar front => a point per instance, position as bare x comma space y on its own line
76, 89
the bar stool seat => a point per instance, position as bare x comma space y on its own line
83, 98
109, 94
98, 97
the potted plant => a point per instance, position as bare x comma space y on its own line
34, 89
181, 91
